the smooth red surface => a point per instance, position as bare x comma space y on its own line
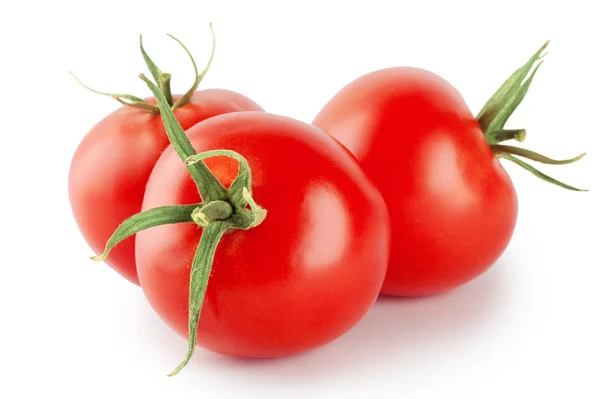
453, 207
303, 277
112, 164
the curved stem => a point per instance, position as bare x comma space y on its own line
199, 275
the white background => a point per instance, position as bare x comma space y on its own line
72, 328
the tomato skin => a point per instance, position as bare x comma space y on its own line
303, 277
111, 166
452, 205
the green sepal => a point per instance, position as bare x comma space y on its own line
132, 101
152, 67
256, 215
209, 187
146, 219
537, 173
506, 112
199, 276
199, 76
505, 100
534, 156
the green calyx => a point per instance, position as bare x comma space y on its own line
222, 209
499, 108
163, 80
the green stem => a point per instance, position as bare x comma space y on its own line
505, 135
199, 275
209, 187
165, 87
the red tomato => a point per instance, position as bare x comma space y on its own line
111, 166
452, 206
304, 276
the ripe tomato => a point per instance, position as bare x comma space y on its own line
112, 164
452, 205
303, 277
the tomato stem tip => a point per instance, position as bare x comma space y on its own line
165, 87
211, 212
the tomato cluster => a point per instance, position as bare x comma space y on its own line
395, 188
